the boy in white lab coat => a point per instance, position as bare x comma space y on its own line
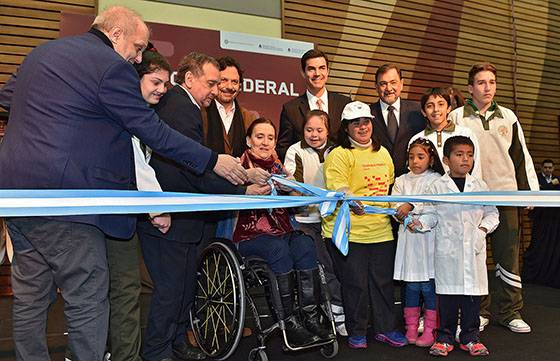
460, 250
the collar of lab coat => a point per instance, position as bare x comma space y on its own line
470, 185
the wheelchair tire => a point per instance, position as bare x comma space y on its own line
258, 354
330, 350
218, 311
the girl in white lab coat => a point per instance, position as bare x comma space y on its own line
414, 260
460, 250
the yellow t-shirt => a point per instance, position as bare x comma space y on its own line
361, 172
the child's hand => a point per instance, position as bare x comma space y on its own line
282, 187
414, 225
403, 211
357, 208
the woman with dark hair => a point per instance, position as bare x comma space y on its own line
360, 166
268, 234
124, 256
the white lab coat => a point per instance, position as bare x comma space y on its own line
460, 246
414, 259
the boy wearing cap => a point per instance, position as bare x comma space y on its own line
360, 166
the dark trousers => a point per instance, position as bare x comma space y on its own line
367, 280
172, 268
51, 254
427, 290
448, 310
507, 293
124, 298
293, 250
314, 231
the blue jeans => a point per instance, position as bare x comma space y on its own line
428, 291
293, 250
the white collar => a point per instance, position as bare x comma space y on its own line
221, 107
313, 99
396, 105
360, 145
190, 96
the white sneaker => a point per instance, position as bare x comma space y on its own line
483, 323
519, 326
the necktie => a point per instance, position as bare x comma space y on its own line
392, 125
319, 104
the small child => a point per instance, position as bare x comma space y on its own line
305, 160
460, 250
414, 260
436, 105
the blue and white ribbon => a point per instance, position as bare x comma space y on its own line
55, 202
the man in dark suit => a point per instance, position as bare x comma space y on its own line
315, 71
547, 180
225, 121
171, 257
76, 104
396, 120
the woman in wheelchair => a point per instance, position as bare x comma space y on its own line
268, 234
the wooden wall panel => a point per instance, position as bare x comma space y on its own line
24, 24
435, 43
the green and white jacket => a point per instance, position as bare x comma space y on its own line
505, 160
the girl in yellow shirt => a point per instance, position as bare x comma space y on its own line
362, 167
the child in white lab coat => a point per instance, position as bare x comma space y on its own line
414, 259
460, 250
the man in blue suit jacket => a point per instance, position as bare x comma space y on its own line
171, 257
76, 104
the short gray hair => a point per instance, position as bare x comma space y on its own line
112, 16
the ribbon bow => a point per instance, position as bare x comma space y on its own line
341, 230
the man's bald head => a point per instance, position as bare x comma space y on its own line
125, 29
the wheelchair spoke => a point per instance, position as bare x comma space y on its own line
219, 307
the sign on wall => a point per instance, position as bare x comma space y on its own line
271, 65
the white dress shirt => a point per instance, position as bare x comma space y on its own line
312, 100
397, 111
227, 116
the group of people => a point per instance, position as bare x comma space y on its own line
81, 116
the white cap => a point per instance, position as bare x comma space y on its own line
356, 110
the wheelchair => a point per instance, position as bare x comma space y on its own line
227, 285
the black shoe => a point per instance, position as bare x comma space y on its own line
297, 335
309, 292
186, 352
313, 323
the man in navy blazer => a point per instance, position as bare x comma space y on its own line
315, 72
394, 131
75, 105
171, 257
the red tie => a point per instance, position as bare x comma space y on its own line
319, 104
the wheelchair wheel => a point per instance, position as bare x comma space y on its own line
258, 354
218, 311
330, 350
